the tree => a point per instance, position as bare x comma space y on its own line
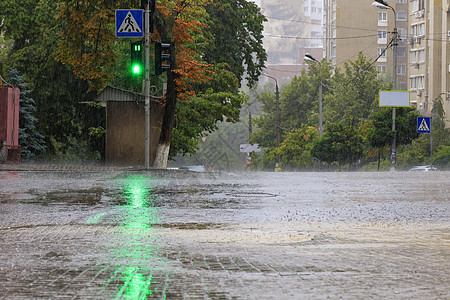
88, 47
299, 102
236, 27
340, 143
31, 29
199, 116
296, 148
355, 92
380, 133
31, 141
265, 136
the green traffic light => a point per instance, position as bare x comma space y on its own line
136, 69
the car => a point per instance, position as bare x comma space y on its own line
423, 169
199, 169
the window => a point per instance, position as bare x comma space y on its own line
381, 52
401, 69
382, 37
401, 51
417, 82
401, 15
414, 30
421, 4
381, 69
421, 29
413, 57
414, 5
421, 55
418, 29
417, 5
402, 33
420, 82
382, 18
401, 1
412, 83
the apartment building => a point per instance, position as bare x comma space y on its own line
429, 52
294, 27
423, 52
357, 26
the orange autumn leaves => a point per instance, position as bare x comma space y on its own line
88, 43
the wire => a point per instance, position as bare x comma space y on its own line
318, 38
309, 22
358, 52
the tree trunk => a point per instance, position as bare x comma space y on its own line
165, 27
162, 155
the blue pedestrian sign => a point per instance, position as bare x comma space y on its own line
423, 125
129, 23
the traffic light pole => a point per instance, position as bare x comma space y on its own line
147, 83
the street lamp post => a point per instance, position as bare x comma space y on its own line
278, 130
310, 58
384, 5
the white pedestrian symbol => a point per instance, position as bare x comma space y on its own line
129, 24
424, 126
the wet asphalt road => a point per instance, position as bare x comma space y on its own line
173, 235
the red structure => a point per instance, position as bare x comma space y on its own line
10, 150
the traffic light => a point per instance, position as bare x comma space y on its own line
137, 66
162, 55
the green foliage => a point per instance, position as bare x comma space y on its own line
296, 148
380, 133
355, 93
341, 144
219, 101
441, 157
55, 90
265, 136
236, 27
33, 30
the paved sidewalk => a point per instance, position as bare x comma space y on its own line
181, 235
63, 167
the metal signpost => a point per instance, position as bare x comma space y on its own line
394, 99
130, 23
424, 126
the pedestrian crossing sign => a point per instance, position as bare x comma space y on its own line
423, 125
129, 23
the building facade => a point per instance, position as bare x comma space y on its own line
423, 50
357, 26
294, 27
429, 51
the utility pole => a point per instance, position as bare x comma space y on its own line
277, 96
277, 116
147, 82
384, 5
309, 58
394, 87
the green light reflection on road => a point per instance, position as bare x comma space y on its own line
137, 239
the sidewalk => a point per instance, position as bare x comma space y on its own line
63, 167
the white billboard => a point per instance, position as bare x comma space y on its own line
394, 99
